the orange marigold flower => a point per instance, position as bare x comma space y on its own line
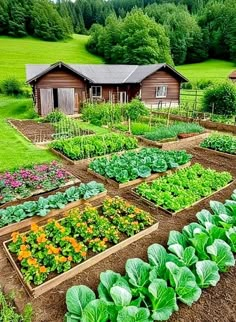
105, 239
42, 269
32, 261
34, 227
24, 254
23, 247
83, 254
15, 236
70, 258
24, 239
19, 258
62, 259
41, 239
77, 248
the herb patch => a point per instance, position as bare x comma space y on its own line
60, 244
79, 148
183, 188
132, 165
25, 182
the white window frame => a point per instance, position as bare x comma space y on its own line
157, 90
96, 96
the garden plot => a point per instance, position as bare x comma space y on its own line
80, 148
133, 167
34, 180
31, 212
183, 189
39, 132
46, 256
222, 144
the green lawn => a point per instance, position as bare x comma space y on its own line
211, 69
16, 52
15, 151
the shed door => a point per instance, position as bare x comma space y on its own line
66, 100
46, 97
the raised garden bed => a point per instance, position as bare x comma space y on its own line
58, 235
39, 132
76, 149
36, 219
183, 189
143, 165
225, 144
26, 182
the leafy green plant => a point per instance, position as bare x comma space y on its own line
172, 131
11, 86
54, 117
135, 109
150, 291
219, 142
95, 145
44, 205
183, 188
141, 164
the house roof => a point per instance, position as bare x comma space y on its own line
233, 74
103, 74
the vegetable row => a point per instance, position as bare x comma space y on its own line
21, 183
172, 131
44, 205
132, 165
60, 244
222, 143
150, 291
95, 145
180, 190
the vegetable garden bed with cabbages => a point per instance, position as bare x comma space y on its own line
183, 189
43, 253
225, 144
23, 215
26, 182
133, 167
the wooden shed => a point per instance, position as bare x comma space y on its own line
68, 86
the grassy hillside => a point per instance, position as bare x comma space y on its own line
16, 52
211, 69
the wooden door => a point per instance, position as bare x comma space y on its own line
66, 100
46, 98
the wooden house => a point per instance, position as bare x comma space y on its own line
232, 76
68, 86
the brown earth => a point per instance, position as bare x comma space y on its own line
216, 304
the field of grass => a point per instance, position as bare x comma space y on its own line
16, 52
15, 151
212, 69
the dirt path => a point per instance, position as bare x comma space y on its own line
216, 304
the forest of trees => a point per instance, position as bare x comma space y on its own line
131, 31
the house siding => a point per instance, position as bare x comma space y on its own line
148, 88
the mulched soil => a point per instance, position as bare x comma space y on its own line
216, 304
36, 132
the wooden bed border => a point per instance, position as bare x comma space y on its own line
224, 154
53, 213
153, 205
138, 180
60, 278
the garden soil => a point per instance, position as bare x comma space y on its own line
215, 305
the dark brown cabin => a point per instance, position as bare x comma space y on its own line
232, 76
69, 86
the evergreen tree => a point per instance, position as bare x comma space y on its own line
4, 17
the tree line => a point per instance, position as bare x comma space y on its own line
131, 31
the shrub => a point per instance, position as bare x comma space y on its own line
135, 109
187, 85
220, 99
11, 86
54, 117
103, 114
204, 83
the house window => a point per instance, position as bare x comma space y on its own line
161, 91
96, 91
